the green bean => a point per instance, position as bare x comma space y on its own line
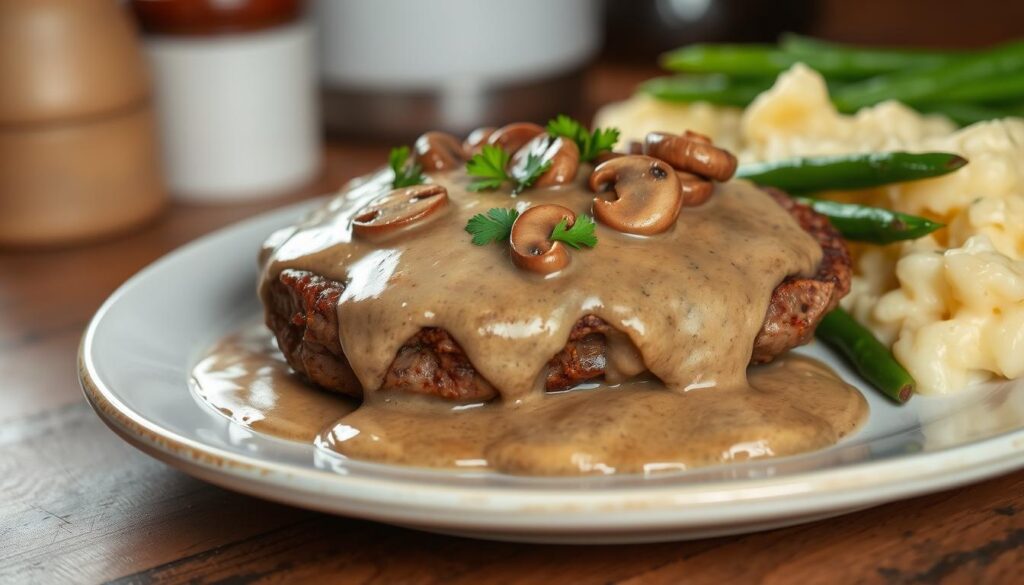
769, 61
858, 171
932, 83
715, 89
881, 60
738, 60
992, 90
872, 360
861, 223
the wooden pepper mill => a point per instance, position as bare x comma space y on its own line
78, 145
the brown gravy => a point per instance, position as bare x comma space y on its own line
245, 377
689, 301
677, 392
790, 406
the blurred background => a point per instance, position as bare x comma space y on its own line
110, 110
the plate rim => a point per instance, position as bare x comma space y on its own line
409, 501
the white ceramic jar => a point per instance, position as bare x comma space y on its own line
397, 67
238, 113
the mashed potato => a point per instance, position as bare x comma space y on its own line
951, 304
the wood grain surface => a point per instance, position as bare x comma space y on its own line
77, 505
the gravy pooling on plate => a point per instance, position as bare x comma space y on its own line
792, 405
684, 306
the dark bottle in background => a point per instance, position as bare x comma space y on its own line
640, 30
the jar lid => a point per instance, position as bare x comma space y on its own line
213, 17
66, 59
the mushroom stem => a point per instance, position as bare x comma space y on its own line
531, 245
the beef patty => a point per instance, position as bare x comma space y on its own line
302, 314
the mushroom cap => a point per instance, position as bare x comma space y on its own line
512, 137
632, 147
696, 190
695, 136
439, 151
607, 156
398, 209
563, 154
476, 140
531, 247
648, 195
693, 153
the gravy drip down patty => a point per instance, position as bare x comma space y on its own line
303, 313
738, 279
689, 305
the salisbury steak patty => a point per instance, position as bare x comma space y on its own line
302, 314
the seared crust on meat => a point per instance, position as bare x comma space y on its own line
433, 363
302, 314
582, 358
301, 311
303, 317
798, 304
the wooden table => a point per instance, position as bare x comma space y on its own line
79, 505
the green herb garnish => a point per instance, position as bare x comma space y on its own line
591, 144
488, 166
493, 226
534, 168
580, 234
406, 175
496, 225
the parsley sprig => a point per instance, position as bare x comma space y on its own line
496, 226
591, 144
489, 168
406, 175
580, 234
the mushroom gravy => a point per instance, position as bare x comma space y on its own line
792, 405
687, 305
688, 302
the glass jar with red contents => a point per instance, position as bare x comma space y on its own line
236, 95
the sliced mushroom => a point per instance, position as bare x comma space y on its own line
531, 245
691, 154
607, 156
632, 147
476, 140
696, 190
696, 136
439, 151
563, 154
399, 208
648, 197
512, 137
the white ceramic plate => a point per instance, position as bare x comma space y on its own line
138, 351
